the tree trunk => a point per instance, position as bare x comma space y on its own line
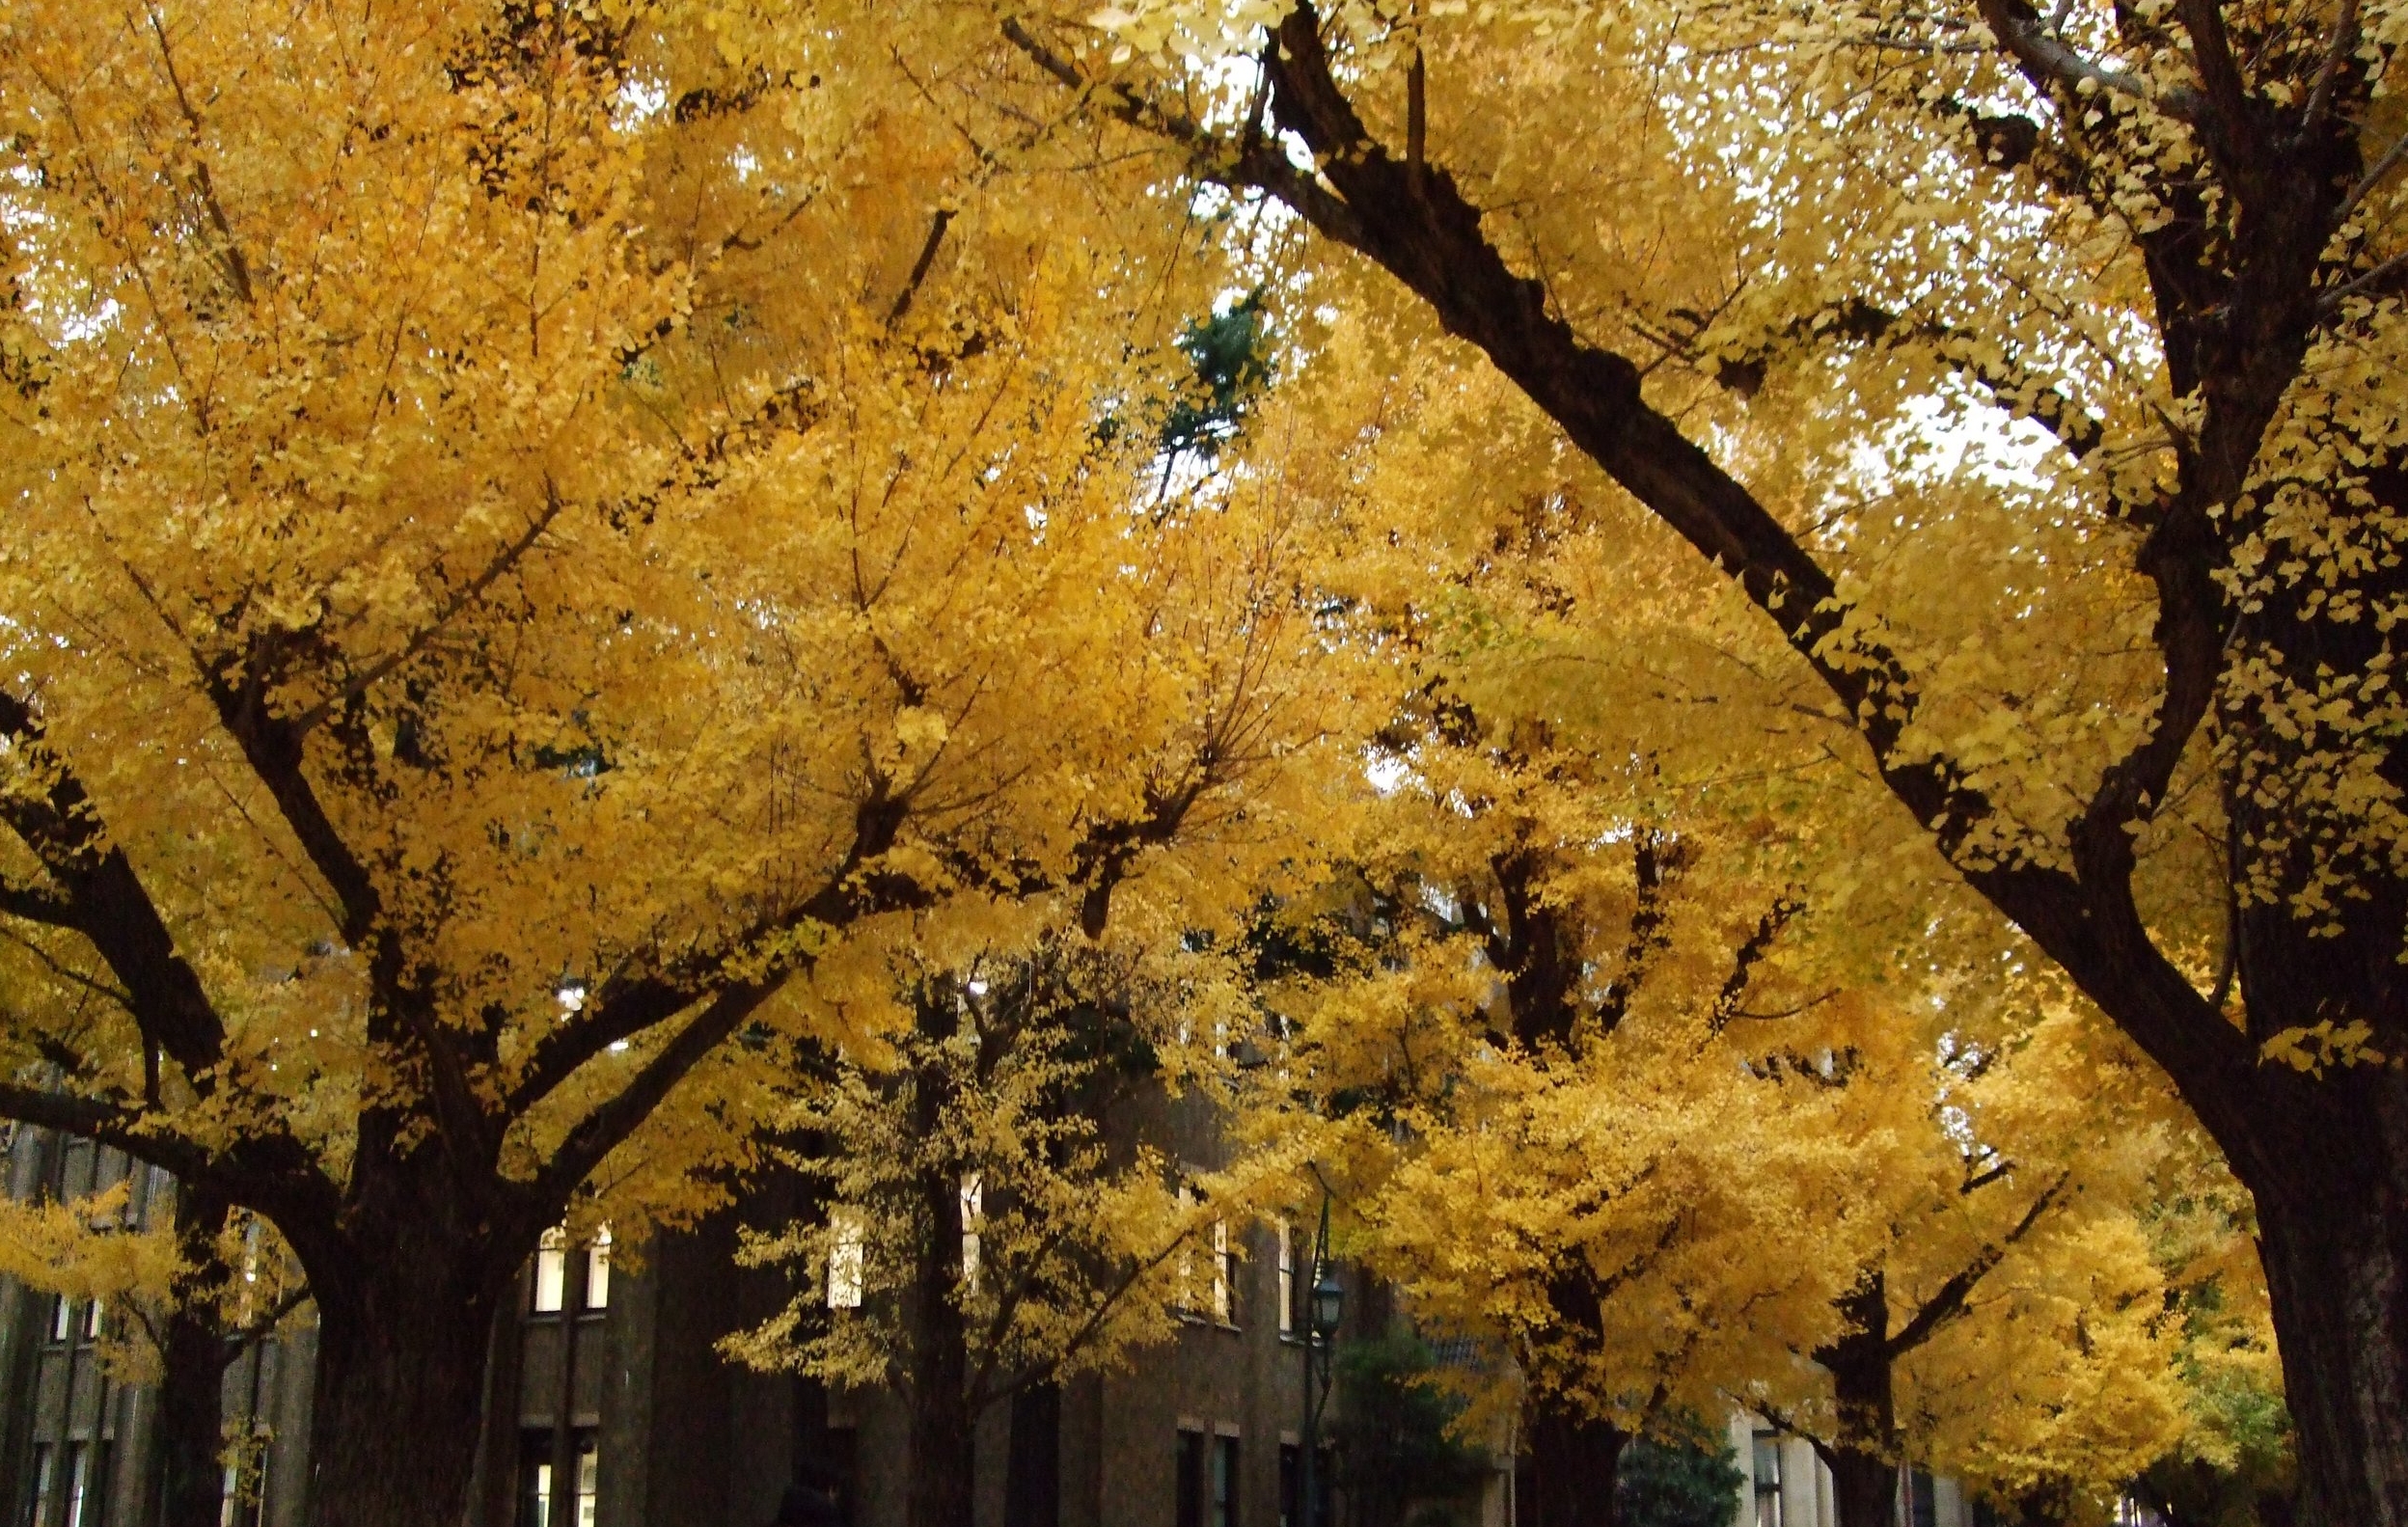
1862, 1457
2337, 1268
398, 1405
1864, 1486
1572, 1462
192, 1370
494, 1482
944, 1439
1032, 1487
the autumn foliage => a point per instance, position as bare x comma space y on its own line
1741, 656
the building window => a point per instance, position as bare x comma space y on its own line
588, 1478
79, 1483
62, 1317
1182, 1297
92, 1320
598, 1271
1290, 1477
1225, 1483
547, 1499
1766, 1461
1190, 1479
1287, 1279
242, 1495
1221, 1270
43, 1463
974, 1209
552, 1271
539, 1501
1923, 1499
848, 1234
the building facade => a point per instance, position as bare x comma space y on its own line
610, 1403
1784, 1485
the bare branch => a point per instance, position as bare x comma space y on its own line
921, 267
2345, 43
2048, 61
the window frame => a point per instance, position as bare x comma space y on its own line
550, 1291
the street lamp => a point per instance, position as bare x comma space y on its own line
1326, 1304
1329, 1304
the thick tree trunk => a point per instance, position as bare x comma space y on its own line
1572, 1462
192, 1370
1032, 1478
944, 1438
1863, 1458
2338, 1268
1864, 1486
494, 1480
398, 1409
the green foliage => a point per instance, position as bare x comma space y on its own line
1687, 1477
1398, 1459
1228, 353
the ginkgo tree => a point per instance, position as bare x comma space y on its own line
989, 1223
1633, 1065
2036, 374
530, 528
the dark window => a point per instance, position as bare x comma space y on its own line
96, 1504
37, 1508
547, 1498
1923, 1499
535, 1485
1291, 1463
1189, 1479
79, 1483
1224, 1482
1766, 1461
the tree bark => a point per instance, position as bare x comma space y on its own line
1032, 1487
1574, 1459
192, 1370
1864, 1486
943, 1438
2337, 1263
398, 1405
494, 1480
1863, 1456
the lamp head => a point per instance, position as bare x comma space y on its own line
1328, 1303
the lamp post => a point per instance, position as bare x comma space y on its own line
1325, 1305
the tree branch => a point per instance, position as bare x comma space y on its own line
921, 267
1949, 1302
2047, 62
59, 822
108, 1123
610, 1123
468, 594
1751, 951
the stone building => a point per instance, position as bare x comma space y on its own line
611, 1407
1786, 1486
